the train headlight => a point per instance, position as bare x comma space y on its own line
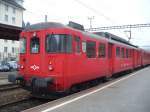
21, 66
50, 67
34, 34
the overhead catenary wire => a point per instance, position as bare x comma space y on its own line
95, 11
39, 13
98, 13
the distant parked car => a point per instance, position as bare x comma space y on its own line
4, 68
12, 65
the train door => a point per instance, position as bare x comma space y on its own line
110, 58
34, 60
141, 58
74, 62
133, 58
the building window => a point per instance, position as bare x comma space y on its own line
0, 55
5, 41
117, 52
13, 41
14, 10
101, 50
13, 50
13, 20
6, 7
5, 49
91, 49
77, 45
6, 18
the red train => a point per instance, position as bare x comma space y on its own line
55, 57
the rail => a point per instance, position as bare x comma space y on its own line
8, 87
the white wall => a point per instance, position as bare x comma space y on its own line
9, 44
18, 15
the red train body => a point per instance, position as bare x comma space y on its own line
54, 57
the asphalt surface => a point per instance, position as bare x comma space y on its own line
129, 95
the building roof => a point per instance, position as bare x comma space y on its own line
9, 32
12, 2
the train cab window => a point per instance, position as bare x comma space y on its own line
101, 50
22, 45
122, 52
117, 52
59, 43
91, 49
77, 45
35, 45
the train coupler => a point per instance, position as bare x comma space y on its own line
41, 82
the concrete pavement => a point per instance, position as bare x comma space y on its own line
131, 94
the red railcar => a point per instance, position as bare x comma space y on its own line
55, 57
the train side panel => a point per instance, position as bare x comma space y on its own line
80, 68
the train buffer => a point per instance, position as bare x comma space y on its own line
129, 93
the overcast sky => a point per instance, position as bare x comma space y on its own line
105, 12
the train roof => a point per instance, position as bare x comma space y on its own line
80, 28
44, 25
115, 38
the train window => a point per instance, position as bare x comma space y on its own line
35, 45
22, 45
101, 50
130, 53
91, 49
84, 46
127, 53
118, 52
122, 52
77, 45
59, 43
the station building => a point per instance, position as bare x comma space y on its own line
11, 19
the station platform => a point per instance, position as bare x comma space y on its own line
129, 93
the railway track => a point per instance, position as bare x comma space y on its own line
22, 104
14, 99
8, 87
11, 93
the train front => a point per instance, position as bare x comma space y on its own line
42, 55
